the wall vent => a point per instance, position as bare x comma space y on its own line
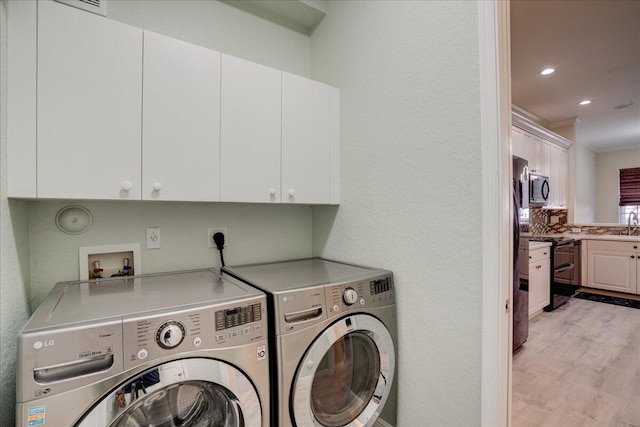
95, 6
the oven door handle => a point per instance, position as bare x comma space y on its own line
564, 245
563, 267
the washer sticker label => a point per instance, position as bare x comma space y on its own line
35, 416
261, 352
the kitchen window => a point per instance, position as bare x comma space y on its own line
629, 192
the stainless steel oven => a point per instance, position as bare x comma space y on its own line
565, 272
565, 269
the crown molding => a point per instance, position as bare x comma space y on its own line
625, 148
523, 121
572, 121
524, 113
586, 145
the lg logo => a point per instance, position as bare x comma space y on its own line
39, 344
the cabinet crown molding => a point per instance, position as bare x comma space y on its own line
518, 119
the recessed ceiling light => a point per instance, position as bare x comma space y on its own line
585, 102
547, 71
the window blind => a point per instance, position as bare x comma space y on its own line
629, 186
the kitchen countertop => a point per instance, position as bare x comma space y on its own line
585, 236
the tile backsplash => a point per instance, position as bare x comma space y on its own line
554, 221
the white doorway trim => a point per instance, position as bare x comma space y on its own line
495, 106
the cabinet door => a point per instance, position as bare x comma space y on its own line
181, 121
612, 270
539, 285
538, 156
528, 148
559, 176
563, 177
89, 105
546, 167
251, 131
310, 141
516, 143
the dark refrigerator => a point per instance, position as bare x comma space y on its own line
520, 219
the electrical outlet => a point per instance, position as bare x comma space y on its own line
212, 231
153, 238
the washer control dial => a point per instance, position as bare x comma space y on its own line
170, 334
350, 296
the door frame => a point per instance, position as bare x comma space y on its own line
497, 259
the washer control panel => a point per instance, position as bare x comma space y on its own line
350, 296
152, 336
238, 316
170, 334
371, 292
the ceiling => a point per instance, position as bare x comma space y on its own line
594, 46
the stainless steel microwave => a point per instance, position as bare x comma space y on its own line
538, 190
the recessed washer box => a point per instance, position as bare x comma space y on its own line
111, 261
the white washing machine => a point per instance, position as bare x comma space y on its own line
333, 334
176, 349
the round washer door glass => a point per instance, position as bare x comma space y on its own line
346, 374
189, 392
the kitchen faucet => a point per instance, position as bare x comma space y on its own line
633, 218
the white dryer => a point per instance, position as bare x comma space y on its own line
333, 334
175, 349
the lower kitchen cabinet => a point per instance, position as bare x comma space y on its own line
539, 279
613, 265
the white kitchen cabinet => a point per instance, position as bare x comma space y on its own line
613, 265
310, 141
539, 279
89, 105
540, 160
181, 121
251, 131
517, 147
558, 177
541, 156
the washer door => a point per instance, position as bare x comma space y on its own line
188, 392
345, 376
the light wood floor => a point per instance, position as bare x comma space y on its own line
579, 367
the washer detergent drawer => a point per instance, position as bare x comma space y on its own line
54, 361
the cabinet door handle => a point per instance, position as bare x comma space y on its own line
635, 246
632, 256
157, 186
538, 267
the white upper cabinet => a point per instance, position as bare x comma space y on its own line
545, 158
310, 141
559, 176
89, 105
181, 121
517, 144
540, 160
132, 115
251, 131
